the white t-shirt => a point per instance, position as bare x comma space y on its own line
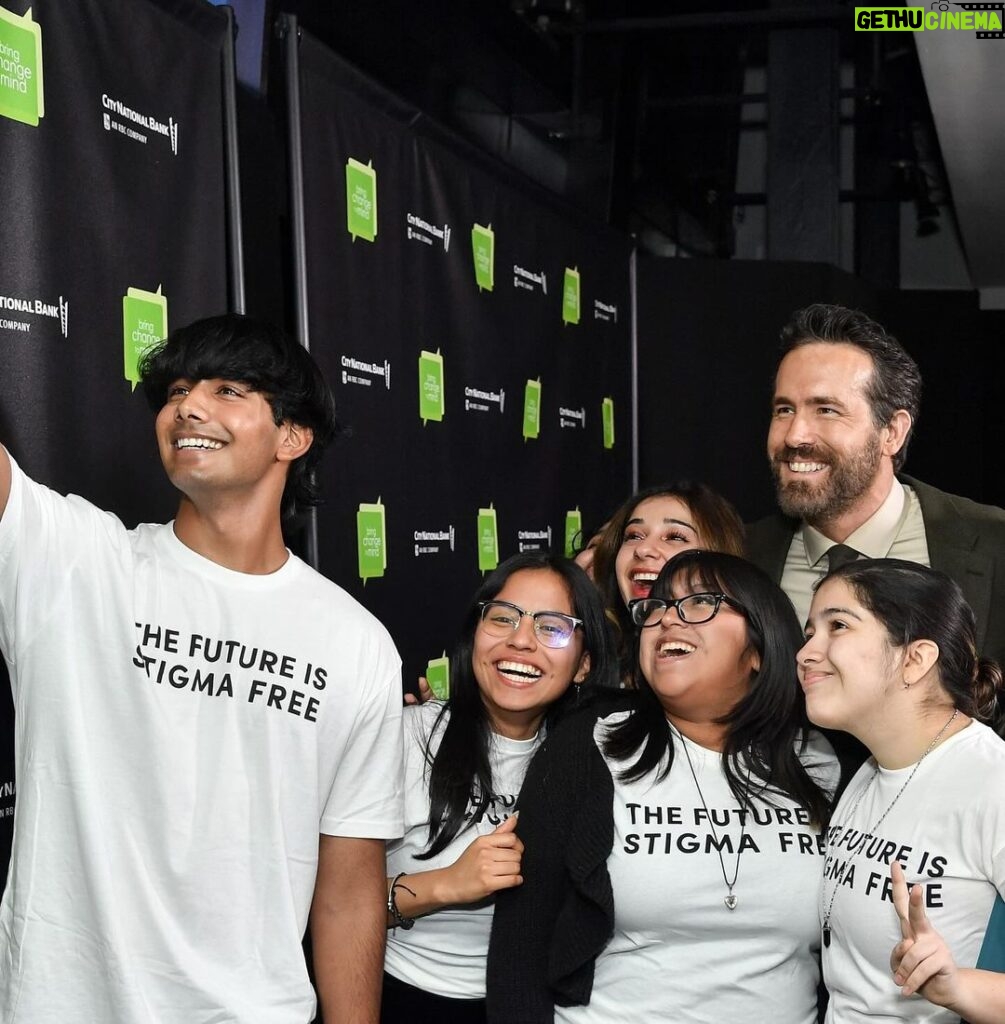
445, 952
678, 952
948, 831
183, 734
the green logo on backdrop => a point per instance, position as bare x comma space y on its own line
431, 401
573, 530
483, 247
371, 540
488, 539
570, 296
438, 676
532, 409
22, 97
144, 323
361, 200
607, 418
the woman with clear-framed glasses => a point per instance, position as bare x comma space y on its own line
673, 845
534, 637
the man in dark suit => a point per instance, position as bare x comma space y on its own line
846, 399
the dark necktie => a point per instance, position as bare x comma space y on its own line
839, 554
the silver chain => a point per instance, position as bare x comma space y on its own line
872, 832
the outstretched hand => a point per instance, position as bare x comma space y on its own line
921, 961
489, 864
425, 693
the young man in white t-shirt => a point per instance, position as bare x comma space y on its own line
208, 740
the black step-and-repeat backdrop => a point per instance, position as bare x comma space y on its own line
112, 231
479, 343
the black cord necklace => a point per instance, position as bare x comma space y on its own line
730, 899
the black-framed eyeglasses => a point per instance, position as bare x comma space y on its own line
553, 629
695, 608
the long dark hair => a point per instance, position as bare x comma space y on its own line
719, 527
914, 602
460, 775
765, 726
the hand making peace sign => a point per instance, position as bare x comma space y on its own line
921, 961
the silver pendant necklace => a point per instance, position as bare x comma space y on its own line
730, 899
867, 837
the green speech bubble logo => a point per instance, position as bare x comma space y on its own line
532, 409
22, 97
607, 418
431, 400
570, 296
361, 200
483, 248
573, 530
438, 676
144, 323
371, 542
488, 539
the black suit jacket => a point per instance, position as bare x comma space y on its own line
966, 541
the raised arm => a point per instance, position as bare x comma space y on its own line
347, 928
4, 479
922, 962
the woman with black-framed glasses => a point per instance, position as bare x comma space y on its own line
673, 846
534, 636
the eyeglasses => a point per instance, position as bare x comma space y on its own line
695, 608
553, 629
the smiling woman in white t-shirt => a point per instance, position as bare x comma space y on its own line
891, 657
535, 635
673, 844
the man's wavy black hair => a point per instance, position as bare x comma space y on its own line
260, 355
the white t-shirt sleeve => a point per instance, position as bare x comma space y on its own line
366, 798
45, 538
820, 761
991, 820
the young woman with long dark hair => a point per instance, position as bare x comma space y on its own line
534, 637
647, 530
673, 846
891, 657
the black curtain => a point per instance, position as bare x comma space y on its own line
113, 221
434, 364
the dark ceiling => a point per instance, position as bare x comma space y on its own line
638, 113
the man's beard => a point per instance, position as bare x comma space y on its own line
848, 478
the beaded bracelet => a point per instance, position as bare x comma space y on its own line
400, 921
